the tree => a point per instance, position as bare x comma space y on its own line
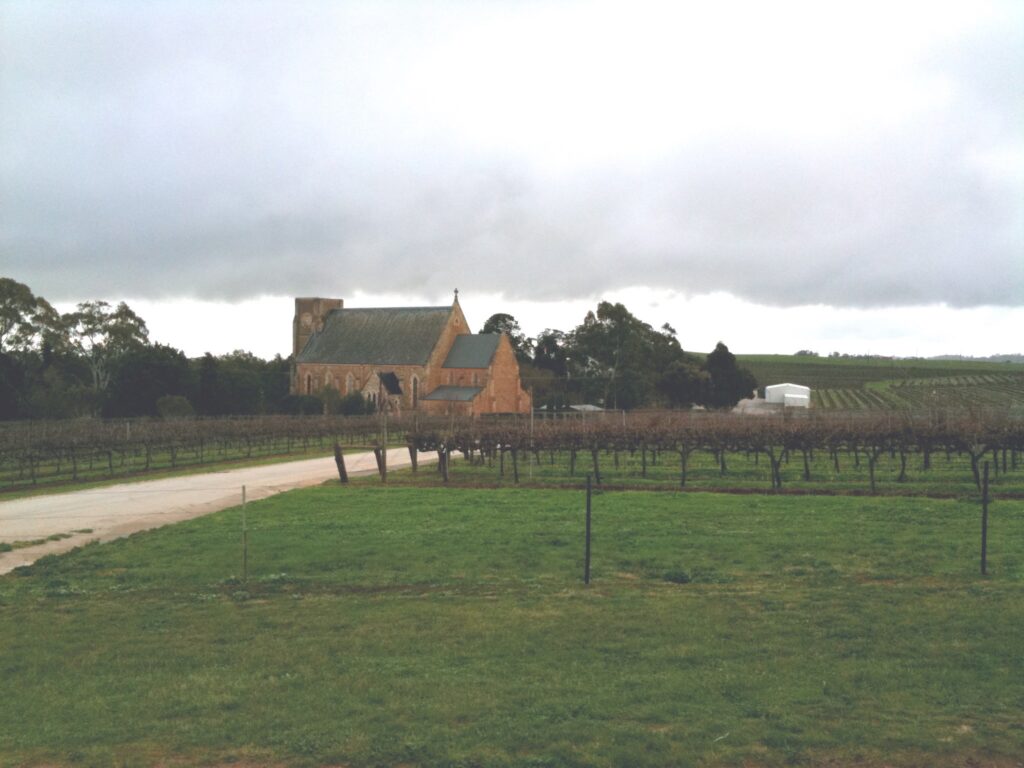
620, 355
241, 383
174, 407
504, 323
143, 376
728, 382
24, 317
101, 334
549, 351
683, 383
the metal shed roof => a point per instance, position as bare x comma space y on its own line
472, 350
395, 336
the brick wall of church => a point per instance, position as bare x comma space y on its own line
311, 378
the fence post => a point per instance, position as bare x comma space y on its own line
339, 460
984, 521
586, 555
245, 541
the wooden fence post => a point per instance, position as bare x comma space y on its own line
245, 541
339, 459
984, 521
586, 555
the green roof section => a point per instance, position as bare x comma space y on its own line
380, 336
472, 350
454, 394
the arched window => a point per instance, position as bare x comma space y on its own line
309, 384
415, 392
475, 379
350, 384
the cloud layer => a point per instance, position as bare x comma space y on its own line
866, 156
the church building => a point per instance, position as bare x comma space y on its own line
405, 358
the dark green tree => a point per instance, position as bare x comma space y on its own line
728, 383
142, 376
507, 324
619, 357
683, 383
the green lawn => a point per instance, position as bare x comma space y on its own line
386, 625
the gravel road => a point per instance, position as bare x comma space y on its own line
117, 510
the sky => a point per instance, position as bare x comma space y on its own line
835, 176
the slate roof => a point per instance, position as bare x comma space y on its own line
391, 383
381, 336
472, 350
457, 394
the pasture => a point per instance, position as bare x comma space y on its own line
389, 625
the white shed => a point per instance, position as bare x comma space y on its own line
792, 395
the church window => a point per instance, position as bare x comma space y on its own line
309, 384
415, 391
350, 384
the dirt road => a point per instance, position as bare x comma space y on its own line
118, 510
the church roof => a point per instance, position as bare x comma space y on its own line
396, 336
391, 383
472, 350
457, 394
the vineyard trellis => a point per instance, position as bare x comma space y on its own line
39, 452
33, 453
859, 435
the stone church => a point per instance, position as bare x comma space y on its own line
405, 358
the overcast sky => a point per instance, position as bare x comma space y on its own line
852, 171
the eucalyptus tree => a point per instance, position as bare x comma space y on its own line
101, 334
24, 317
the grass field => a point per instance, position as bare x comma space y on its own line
881, 383
390, 625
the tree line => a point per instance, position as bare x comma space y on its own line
615, 360
98, 360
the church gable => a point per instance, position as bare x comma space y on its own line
385, 336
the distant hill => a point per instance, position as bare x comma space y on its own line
989, 359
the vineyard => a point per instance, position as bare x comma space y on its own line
884, 384
52, 452
732, 451
986, 390
671, 447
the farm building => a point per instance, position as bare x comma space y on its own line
791, 395
402, 358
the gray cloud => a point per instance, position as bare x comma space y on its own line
162, 150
